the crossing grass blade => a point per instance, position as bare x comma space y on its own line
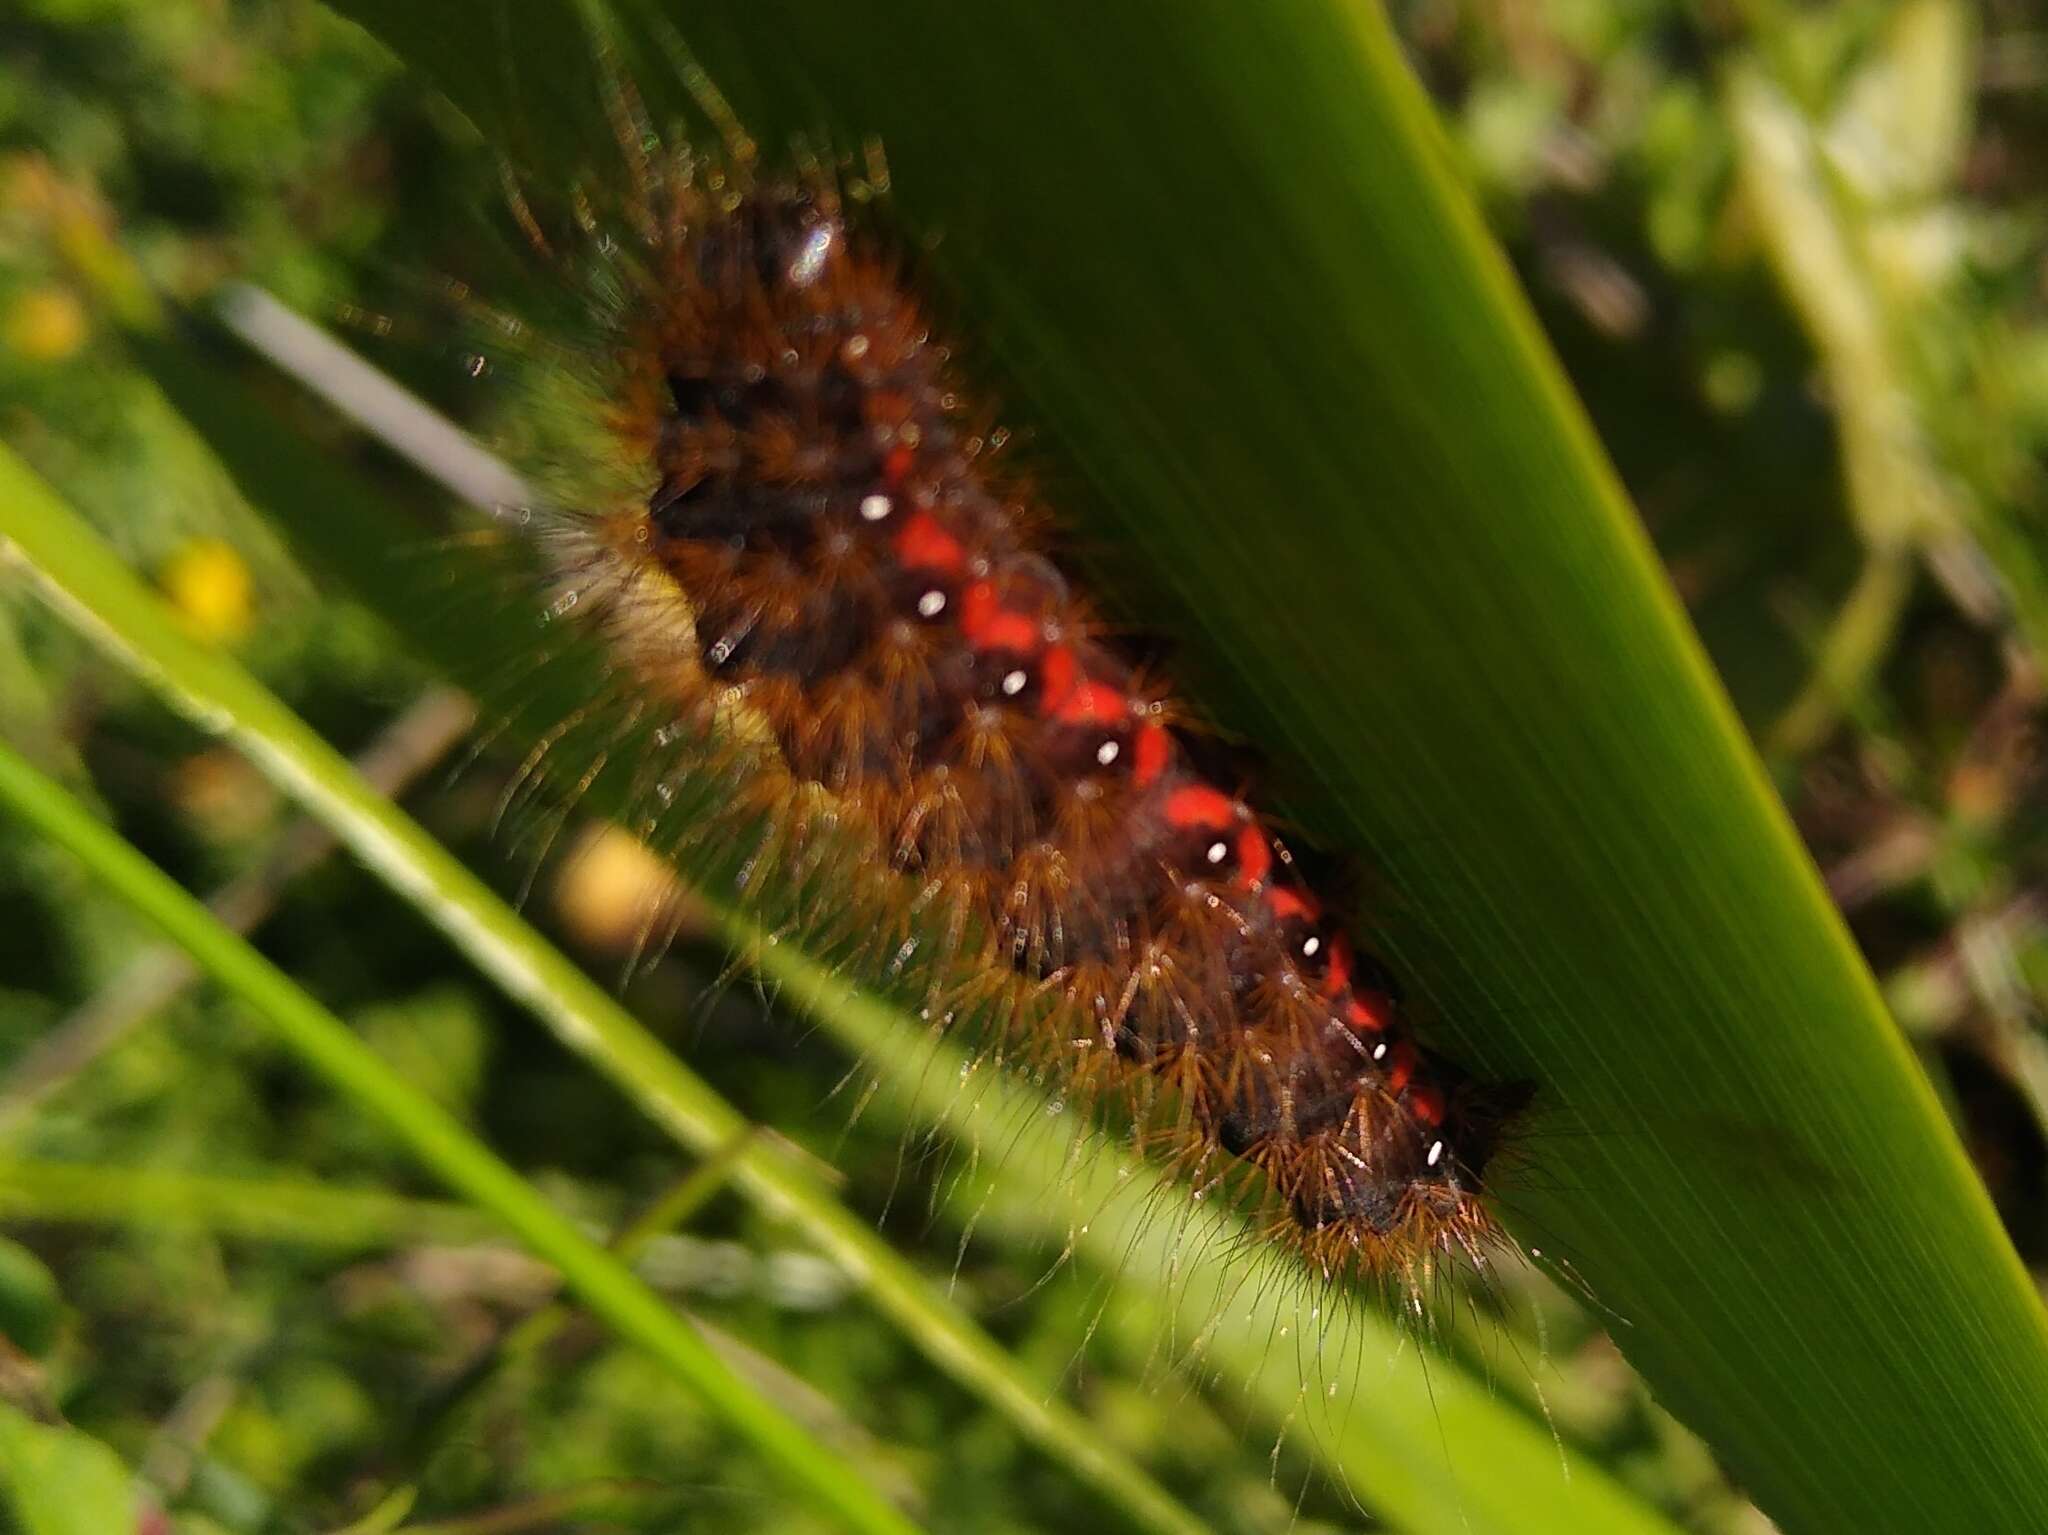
326, 1045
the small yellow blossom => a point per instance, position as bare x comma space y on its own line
208, 583
614, 895
45, 324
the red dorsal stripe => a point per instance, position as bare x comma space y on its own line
1401, 1063
1254, 857
1285, 903
1339, 976
1011, 633
1153, 751
1093, 703
1426, 1103
978, 604
922, 544
896, 467
987, 625
1056, 678
1366, 1012
1197, 804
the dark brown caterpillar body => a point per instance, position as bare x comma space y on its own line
865, 576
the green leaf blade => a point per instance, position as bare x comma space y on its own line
58, 1481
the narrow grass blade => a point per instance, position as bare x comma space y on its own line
323, 1042
262, 1209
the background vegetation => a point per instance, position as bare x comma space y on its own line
1793, 260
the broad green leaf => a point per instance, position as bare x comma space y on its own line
58, 1481
1218, 257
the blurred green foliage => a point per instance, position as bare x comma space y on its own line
153, 148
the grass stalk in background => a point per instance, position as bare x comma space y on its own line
262, 1209
1919, 479
324, 1043
152, 980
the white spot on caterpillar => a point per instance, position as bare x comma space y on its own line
810, 261
931, 604
1436, 1152
1311, 946
1014, 683
875, 508
1218, 851
1106, 754
1379, 1052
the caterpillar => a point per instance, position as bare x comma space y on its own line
809, 542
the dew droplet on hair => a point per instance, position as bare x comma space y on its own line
810, 260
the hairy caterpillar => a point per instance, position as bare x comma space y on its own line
807, 546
